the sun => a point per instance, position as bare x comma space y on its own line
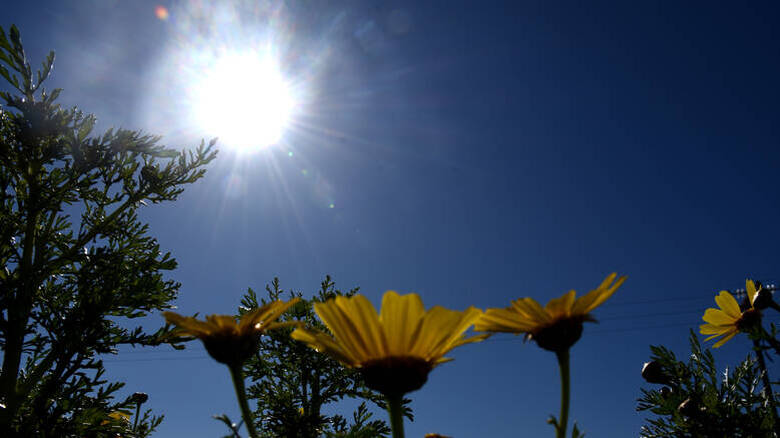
243, 99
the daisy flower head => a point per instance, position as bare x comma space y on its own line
556, 326
728, 319
229, 341
395, 349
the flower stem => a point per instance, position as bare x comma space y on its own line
563, 365
137, 414
238, 383
772, 341
395, 409
770, 394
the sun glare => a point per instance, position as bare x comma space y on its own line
244, 100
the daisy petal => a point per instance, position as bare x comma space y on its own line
400, 316
364, 315
602, 293
530, 307
728, 304
503, 320
562, 306
343, 330
718, 317
324, 343
403, 333
726, 339
751, 291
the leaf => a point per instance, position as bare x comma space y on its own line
54, 95
4, 44
47, 66
234, 428
12, 79
575, 433
86, 127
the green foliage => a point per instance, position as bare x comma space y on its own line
575, 431
362, 425
698, 401
76, 263
291, 382
234, 427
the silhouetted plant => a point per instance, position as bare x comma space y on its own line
696, 400
291, 383
76, 262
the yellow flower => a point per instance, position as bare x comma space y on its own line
225, 340
729, 320
117, 417
396, 349
556, 326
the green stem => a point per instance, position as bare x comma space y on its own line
770, 395
20, 306
563, 365
772, 341
395, 409
137, 414
238, 383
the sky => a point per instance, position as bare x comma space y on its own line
472, 152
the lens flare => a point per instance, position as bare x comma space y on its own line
161, 13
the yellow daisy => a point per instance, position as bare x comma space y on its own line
119, 415
225, 340
556, 326
729, 320
117, 420
395, 349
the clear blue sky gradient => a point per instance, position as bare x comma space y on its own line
473, 153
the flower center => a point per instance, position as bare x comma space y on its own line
396, 375
560, 335
232, 348
750, 318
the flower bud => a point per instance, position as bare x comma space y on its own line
653, 372
688, 408
763, 299
139, 398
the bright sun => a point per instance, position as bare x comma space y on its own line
244, 100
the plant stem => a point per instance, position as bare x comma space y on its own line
395, 409
137, 413
770, 394
772, 341
238, 383
563, 365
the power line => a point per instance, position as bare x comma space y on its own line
659, 300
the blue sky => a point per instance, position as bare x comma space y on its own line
473, 153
